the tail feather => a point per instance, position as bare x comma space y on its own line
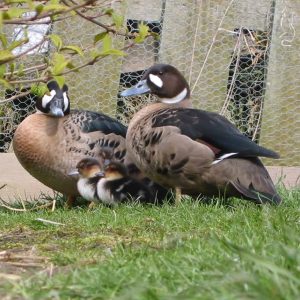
256, 196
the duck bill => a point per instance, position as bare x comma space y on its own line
56, 108
139, 89
73, 173
101, 174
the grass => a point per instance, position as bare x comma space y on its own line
192, 251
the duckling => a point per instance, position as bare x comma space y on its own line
50, 142
112, 186
193, 150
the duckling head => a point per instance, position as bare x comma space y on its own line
164, 81
88, 168
115, 170
56, 102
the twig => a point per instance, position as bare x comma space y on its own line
49, 222
91, 62
212, 44
41, 79
47, 15
28, 70
5, 61
2, 186
11, 208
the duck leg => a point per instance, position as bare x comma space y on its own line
177, 195
70, 201
91, 205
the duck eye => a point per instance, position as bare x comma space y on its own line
160, 72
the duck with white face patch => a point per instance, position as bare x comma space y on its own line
198, 152
50, 142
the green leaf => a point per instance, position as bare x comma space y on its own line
114, 52
5, 83
59, 63
109, 11
16, 44
39, 89
3, 40
142, 34
100, 36
57, 41
60, 80
57, 7
5, 55
12, 67
21, 70
71, 66
39, 8
118, 20
106, 43
2, 70
75, 49
12, 13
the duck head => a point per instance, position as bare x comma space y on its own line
106, 153
164, 81
56, 102
87, 168
115, 170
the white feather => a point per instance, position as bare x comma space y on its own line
156, 80
86, 190
175, 99
47, 98
226, 155
66, 100
103, 193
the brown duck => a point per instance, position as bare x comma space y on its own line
193, 150
50, 142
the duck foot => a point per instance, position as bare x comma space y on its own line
92, 205
177, 195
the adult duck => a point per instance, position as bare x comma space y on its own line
50, 142
193, 150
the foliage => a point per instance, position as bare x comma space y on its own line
63, 58
236, 250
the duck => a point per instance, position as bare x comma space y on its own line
50, 142
111, 185
193, 151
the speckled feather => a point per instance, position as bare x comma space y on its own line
49, 148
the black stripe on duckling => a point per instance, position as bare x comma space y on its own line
50, 142
193, 150
112, 186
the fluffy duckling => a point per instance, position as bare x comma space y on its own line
50, 142
196, 151
112, 186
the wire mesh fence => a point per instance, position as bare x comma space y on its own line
241, 60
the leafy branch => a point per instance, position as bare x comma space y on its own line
23, 15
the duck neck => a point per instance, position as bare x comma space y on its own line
180, 100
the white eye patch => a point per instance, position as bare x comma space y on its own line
156, 80
66, 100
47, 98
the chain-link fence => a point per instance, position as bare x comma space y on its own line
240, 57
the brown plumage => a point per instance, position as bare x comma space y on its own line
197, 151
50, 142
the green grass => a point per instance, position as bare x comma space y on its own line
192, 251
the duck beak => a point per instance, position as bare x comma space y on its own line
101, 174
56, 108
139, 89
73, 173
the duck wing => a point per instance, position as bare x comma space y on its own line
213, 130
93, 121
